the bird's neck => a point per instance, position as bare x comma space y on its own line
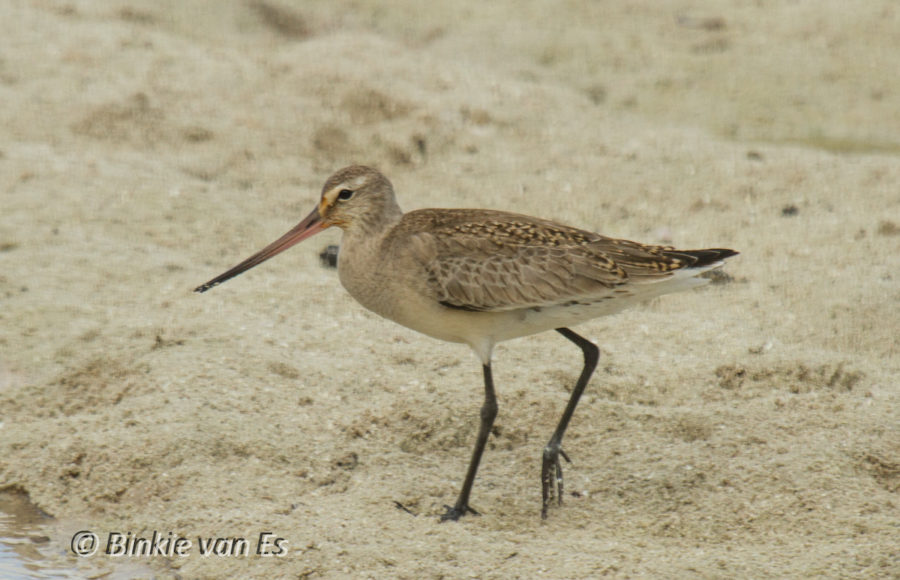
375, 224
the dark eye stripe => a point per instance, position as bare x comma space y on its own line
345, 194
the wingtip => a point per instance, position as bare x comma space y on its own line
708, 257
726, 253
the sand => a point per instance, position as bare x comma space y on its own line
745, 429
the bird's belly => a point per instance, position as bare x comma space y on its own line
452, 325
481, 330
529, 321
477, 328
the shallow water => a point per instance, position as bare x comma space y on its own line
33, 547
26, 550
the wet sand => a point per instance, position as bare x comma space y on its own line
746, 429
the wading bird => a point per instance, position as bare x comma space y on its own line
479, 277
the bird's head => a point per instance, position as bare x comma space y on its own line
356, 197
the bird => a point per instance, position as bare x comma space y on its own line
480, 277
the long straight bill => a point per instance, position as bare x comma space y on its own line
311, 225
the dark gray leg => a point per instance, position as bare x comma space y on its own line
488, 413
551, 471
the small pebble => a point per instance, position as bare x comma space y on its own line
329, 256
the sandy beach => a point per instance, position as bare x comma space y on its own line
747, 429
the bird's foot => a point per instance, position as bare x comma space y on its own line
454, 513
552, 476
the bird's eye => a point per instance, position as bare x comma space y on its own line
345, 194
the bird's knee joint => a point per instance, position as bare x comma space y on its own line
488, 411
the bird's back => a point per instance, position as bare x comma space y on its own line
485, 260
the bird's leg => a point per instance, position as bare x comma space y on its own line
488, 413
551, 471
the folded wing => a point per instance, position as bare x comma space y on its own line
494, 261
